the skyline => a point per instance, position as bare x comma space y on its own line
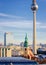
16, 17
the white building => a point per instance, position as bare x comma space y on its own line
5, 52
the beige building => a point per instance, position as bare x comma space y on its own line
9, 51
5, 52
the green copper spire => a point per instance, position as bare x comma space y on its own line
26, 41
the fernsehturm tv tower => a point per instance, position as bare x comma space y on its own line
34, 8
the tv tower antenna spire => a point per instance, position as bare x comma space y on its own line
34, 8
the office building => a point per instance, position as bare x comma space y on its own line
4, 39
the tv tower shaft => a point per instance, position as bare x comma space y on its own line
34, 8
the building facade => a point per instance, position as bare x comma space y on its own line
5, 52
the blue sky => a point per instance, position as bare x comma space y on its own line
16, 16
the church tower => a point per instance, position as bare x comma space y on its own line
26, 41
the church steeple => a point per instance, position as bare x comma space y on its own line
26, 41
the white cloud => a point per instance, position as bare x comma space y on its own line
9, 16
43, 27
22, 24
18, 24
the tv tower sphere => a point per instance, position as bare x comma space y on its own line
34, 8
